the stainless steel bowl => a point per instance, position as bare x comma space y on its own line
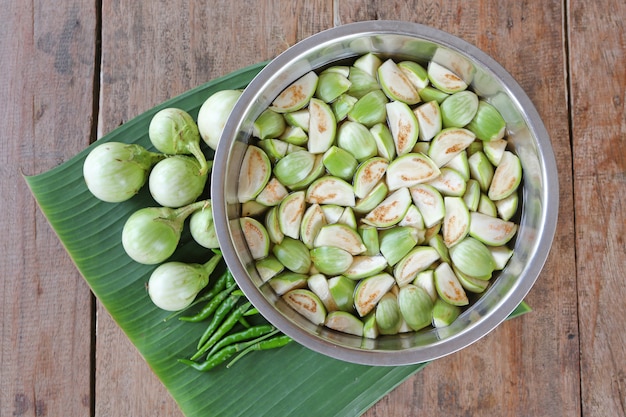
526, 133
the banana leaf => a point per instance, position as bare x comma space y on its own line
288, 381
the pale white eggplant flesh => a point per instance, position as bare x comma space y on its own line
254, 174
306, 303
318, 283
344, 322
256, 236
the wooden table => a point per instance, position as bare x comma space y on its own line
72, 71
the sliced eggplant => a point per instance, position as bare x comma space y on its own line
444, 79
332, 212
268, 125
481, 170
370, 328
342, 291
322, 126
340, 236
456, 222
370, 290
391, 210
403, 126
409, 170
344, 322
384, 141
413, 218
507, 177
364, 266
471, 284
348, 218
397, 242
494, 150
298, 118
269, 267
369, 109
429, 120
388, 315
501, 256
449, 182
340, 163
312, 221
444, 313
254, 174
297, 95
448, 143
372, 199
507, 207
294, 167
492, 231
273, 193
290, 214
415, 73
429, 201
357, 139
426, 281
416, 306
448, 286
417, 260
318, 283
472, 194
273, 225
458, 109
256, 237
331, 190
331, 85
287, 281
293, 254
331, 260
472, 257
369, 63
368, 174
369, 236
395, 83
488, 124
306, 303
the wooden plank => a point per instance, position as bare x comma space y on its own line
598, 89
528, 366
47, 53
150, 53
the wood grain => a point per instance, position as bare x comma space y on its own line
47, 54
598, 58
567, 358
506, 373
148, 56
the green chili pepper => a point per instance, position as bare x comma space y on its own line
273, 343
211, 306
244, 322
248, 334
251, 312
231, 280
219, 285
220, 314
215, 360
224, 328
223, 354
